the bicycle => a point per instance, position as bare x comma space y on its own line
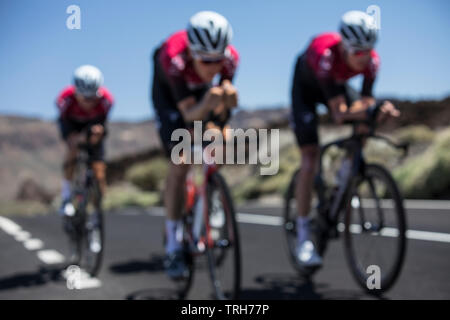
85, 227
210, 229
367, 207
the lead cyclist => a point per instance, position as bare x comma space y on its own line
183, 91
320, 76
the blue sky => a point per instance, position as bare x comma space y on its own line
38, 53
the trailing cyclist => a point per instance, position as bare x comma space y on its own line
183, 91
83, 110
320, 76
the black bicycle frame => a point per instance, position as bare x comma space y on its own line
353, 146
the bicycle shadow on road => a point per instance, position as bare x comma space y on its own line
42, 276
154, 264
154, 294
279, 286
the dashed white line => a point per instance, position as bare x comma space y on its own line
33, 244
22, 236
50, 256
47, 256
9, 226
259, 219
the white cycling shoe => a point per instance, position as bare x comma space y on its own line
307, 255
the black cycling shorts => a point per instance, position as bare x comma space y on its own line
306, 94
68, 126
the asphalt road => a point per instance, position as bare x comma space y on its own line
132, 268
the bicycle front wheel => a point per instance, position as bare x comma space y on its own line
223, 249
375, 230
93, 233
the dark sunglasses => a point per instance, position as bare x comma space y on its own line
215, 61
208, 59
93, 98
359, 52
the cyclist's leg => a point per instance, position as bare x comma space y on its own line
304, 121
168, 119
97, 152
99, 166
307, 138
173, 201
69, 132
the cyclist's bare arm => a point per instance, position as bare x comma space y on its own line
230, 94
357, 111
191, 110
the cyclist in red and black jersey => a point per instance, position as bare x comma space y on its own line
183, 91
320, 76
83, 106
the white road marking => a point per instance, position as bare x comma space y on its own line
9, 226
429, 236
428, 204
50, 256
22, 236
33, 244
440, 205
259, 219
386, 232
47, 256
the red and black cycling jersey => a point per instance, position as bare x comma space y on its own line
177, 66
329, 68
69, 109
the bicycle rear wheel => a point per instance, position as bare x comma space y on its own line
223, 254
375, 230
183, 285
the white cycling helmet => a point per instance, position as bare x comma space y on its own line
87, 80
358, 30
209, 32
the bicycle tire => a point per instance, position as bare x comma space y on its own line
218, 255
358, 273
184, 285
95, 199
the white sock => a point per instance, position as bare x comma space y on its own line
173, 244
66, 190
302, 229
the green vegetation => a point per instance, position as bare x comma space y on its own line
427, 175
126, 195
257, 185
23, 208
415, 134
148, 175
